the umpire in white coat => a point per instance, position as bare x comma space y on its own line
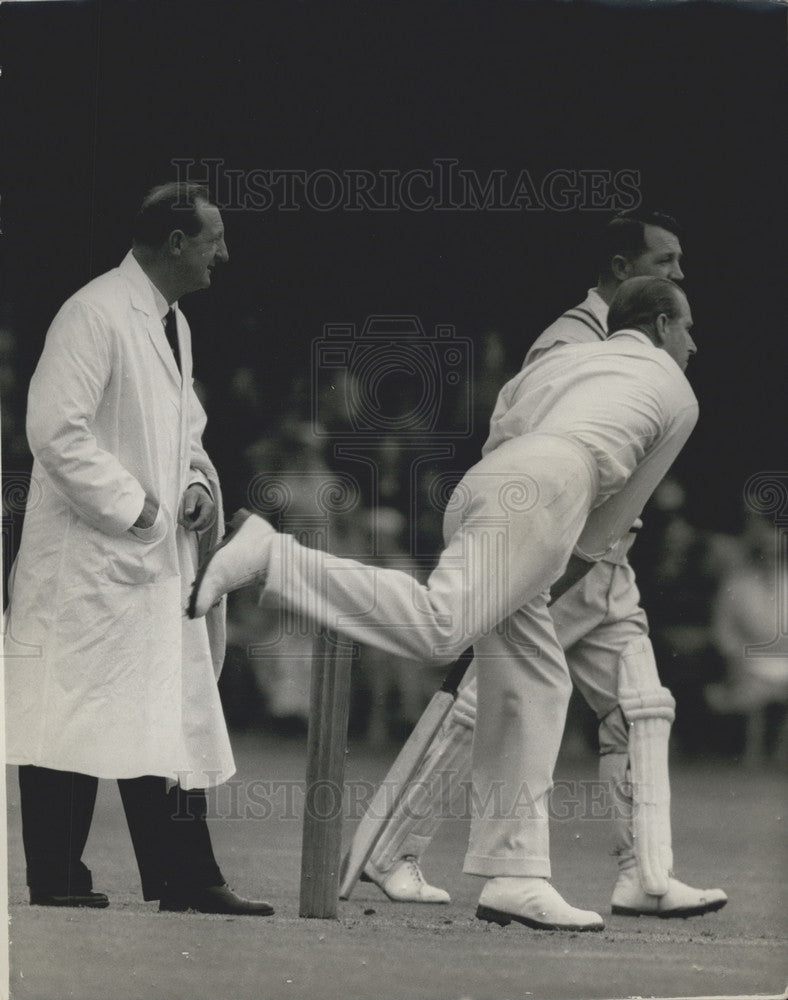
105, 678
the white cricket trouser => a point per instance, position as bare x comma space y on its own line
595, 621
510, 528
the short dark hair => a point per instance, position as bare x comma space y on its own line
625, 235
168, 207
639, 301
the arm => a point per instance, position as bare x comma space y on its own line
65, 393
201, 468
612, 519
148, 514
198, 507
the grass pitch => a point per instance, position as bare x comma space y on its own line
730, 830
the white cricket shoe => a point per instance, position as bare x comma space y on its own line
405, 883
241, 559
630, 900
533, 902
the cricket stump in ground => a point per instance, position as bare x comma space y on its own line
329, 702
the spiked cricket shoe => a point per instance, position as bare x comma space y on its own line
680, 900
533, 902
405, 883
240, 560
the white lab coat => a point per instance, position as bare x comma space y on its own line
104, 674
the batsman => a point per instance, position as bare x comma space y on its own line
603, 631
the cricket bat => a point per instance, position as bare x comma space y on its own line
395, 784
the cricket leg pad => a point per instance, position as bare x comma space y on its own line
649, 709
436, 793
464, 711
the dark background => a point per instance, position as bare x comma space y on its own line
98, 98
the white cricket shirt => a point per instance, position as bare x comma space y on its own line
584, 324
625, 400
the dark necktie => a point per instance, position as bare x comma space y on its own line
171, 330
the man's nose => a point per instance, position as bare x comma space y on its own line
222, 253
676, 274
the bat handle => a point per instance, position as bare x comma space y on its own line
457, 671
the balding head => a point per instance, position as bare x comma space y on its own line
658, 308
179, 238
639, 301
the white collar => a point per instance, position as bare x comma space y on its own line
162, 306
136, 273
634, 335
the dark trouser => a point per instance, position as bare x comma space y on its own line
168, 830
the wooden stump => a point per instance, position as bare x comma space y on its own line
329, 702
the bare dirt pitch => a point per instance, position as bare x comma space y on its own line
730, 830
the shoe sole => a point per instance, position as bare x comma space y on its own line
177, 908
687, 911
96, 904
238, 519
503, 919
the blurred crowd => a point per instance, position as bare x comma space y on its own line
362, 465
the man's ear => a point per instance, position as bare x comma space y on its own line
620, 267
660, 329
175, 242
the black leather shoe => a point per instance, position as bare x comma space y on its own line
214, 899
95, 900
